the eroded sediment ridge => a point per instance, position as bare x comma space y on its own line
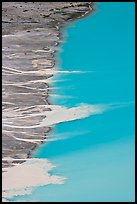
31, 33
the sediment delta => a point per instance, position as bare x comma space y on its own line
31, 33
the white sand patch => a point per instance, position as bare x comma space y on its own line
21, 179
63, 114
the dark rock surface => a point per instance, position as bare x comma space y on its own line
31, 33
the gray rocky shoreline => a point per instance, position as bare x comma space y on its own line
31, 32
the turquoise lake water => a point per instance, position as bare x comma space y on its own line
97, 153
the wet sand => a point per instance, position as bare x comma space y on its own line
31, 33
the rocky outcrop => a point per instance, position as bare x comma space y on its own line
31, 33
